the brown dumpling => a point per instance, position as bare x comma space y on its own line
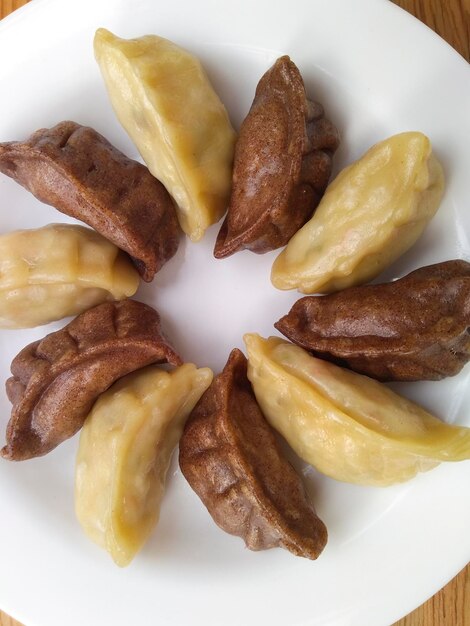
282, 164
415, 328
77, 171
56, 380
230, 457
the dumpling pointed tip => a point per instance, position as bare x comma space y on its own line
235, 353
122, 559
101, 39
220, 251
279, 275
205, 375
224, 246
280, 324
251, 338
10, 453
256, 345
103, 34
281, 280
194, 235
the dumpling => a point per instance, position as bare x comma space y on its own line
415, 328
348, 426
283, 160
230, 457
371, 214
125, 449
164, 100
77, 171
59, 270
56, 380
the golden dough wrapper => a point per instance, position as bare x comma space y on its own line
59, 270
125, 449
348, 426
371, 214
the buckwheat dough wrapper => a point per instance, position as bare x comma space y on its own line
371, 214
348, 426
125, 449
230, 457
56, 380
415, 328
165, 102
77, 171
283, 160
59, 270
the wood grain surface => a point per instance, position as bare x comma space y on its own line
451, 20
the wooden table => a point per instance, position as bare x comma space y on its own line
451, 19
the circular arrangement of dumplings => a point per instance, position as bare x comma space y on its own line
101, 373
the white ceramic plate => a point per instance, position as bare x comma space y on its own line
378, 71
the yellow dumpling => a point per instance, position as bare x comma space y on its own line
371, 214
348, 426
59, 270
164, 100
124, 454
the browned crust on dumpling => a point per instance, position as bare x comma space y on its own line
282, 164
76, 170
56, 380
415, 328
230, 457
